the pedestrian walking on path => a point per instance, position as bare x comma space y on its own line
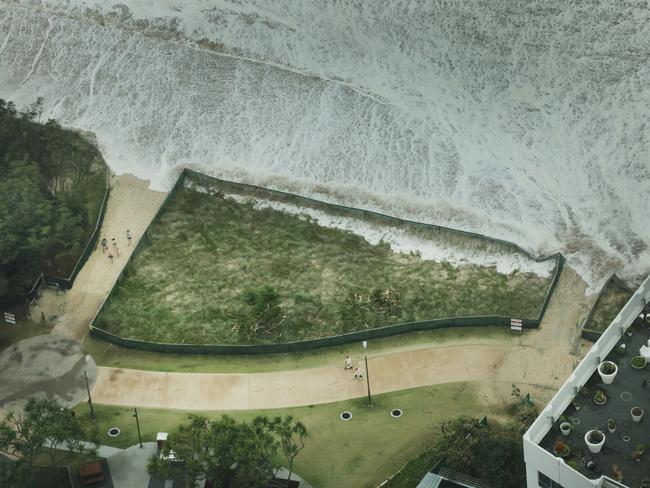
348, 362
115, 248
104, 245
110, 257
358, 374
128, 237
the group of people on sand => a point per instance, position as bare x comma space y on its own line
114, 247
358, 375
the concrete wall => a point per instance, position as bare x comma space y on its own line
538, 459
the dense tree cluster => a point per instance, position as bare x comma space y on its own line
52, 182
229, 453
45, 434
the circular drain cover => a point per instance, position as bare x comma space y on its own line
345, 416
626, 396
113, 432
396, 413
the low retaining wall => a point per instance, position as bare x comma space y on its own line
376, 333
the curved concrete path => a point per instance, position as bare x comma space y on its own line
543, 357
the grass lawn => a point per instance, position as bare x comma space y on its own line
615, 296
107, 354
360, 453
218, 270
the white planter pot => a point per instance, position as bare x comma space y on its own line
565, 428
636, 418
607, 378
594, 447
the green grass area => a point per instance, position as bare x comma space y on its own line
107, 354
610, 303
361, 452
216, 270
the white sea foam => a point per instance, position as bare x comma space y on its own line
403, 241
522, 120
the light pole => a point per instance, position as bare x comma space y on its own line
137, 423
365, 349
90, 400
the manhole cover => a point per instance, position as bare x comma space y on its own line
626, 396
113, 432
345, 416
396, 413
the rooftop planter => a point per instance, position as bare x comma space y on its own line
607, 371
565, 428
637, 414
595, 440
611, 426
600, 398
638, 362
561, 448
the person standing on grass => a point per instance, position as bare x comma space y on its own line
348, 362
358, 374
104, 245
128, 237
115, 248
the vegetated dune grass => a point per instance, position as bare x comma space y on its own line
216, 270
615, 296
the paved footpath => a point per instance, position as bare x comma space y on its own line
543, 357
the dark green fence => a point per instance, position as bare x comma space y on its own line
592, 334
66, 283
375, 333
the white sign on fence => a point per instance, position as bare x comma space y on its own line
10, 318
515, 324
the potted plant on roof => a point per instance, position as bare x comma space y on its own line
600, 398
595, 440
617, 472
607, 371
638, 452
637, 414
620, 349
611, 426
561, 448
565, 426
638, 362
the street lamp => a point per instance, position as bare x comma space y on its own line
365, 349
137, 422
90, 400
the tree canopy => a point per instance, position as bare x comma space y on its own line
42, 427
52, 181
231, 454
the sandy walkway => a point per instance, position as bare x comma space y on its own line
131, 205
542, 358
